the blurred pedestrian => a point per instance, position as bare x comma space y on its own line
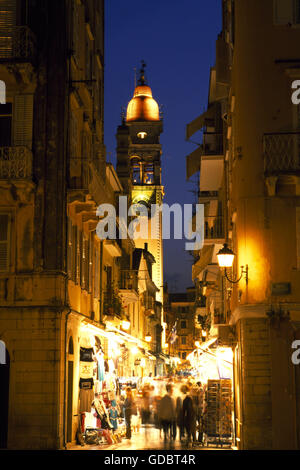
128, 411
179, 415
145, 411
189, 417
167, 413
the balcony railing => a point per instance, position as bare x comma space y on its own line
112, 305
281, 153
15, 163
17, 42
213, 228
128, 280
149, 304
212, 143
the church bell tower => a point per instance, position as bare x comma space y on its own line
139, 165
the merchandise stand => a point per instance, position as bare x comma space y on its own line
218, 416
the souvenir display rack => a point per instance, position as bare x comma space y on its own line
218, 416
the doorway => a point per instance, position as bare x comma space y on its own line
4, 400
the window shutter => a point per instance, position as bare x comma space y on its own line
91, 258
83, 261
283, 11
7, 22
70, 249
22, 120
7, 14
298, 236
78, 255
4, 241
96, 274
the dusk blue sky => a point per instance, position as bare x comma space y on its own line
177, 40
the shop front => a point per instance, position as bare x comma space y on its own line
108, 361
212, 366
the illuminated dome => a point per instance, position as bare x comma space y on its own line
142, 107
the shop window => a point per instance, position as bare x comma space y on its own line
183, 355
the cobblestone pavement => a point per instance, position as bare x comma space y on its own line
149, 439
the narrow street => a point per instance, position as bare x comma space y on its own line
149, 439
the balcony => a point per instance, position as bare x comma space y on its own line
281, 153
212, 143
148, 304
112, 305
15, 163
128, 286
17, 44
282, 162
129, 280
214, 230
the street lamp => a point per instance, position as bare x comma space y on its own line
148, 338
225, 259
125, 325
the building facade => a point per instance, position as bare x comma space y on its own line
249, 172
62, 288
139, 170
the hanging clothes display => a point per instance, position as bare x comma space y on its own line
86, 381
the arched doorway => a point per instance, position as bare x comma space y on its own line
4, 395
70, 390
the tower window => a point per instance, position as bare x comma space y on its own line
148, 174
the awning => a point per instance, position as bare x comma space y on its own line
199, 122
193, 162
205, 259
211, 173
113, 248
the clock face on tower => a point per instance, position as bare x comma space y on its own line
142, 134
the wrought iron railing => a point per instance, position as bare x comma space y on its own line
17, 42
148, 303
128, 280
281, 152
112, 304
214, 227
212, 143
15, 163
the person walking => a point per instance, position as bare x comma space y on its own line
179, 417
189, 417
167, 413
128, 411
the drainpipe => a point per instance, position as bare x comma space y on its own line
65, 384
